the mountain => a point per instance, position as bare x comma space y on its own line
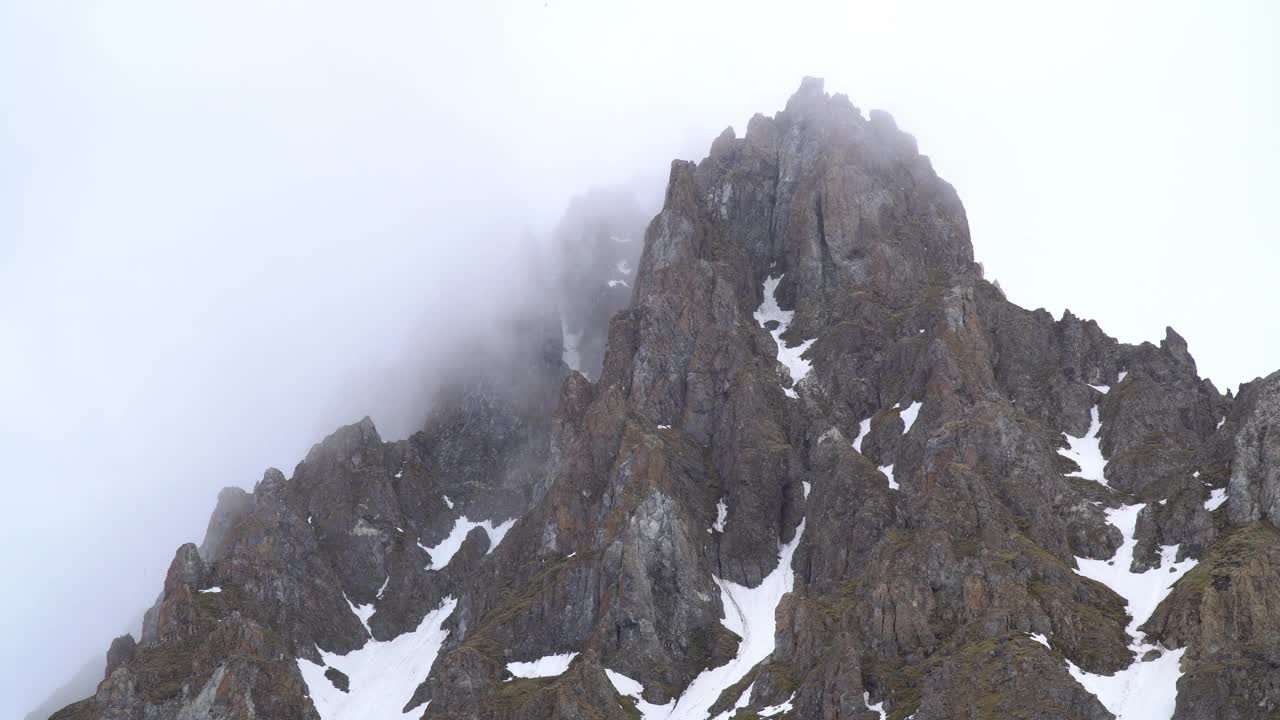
823, 469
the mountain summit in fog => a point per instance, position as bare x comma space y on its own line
783, 452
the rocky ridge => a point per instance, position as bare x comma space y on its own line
824, 470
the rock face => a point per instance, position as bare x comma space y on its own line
819, 469
1254, 490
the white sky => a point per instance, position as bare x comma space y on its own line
214, 216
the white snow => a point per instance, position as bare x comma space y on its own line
214, 589
384, 585
549, 666
908, 415
623, 268
1087, 451
632, 689
807, 487
722, 514
616, 283
1104, 389
664, 427
789, 357
442, 553
1221, 422
1144, 690
623, 684
743, 700
888, 472
877, 708
1195, 474
575, 552
780, 708
749, 613
400, 474
383, 675
864, 427
1123, 374
309, 519
1039, 638
1216, 498
362, 612
447, 501
569, 352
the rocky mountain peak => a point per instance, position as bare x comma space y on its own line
809, 464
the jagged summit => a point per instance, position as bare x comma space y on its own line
825, 470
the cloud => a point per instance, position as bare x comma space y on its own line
217, 223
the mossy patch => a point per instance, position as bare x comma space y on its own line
515, 694
731, 694
164, 670
1232, 551
630, 707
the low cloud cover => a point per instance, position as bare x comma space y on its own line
226, 230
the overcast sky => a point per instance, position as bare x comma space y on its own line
216, 219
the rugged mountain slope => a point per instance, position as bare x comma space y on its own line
825, 471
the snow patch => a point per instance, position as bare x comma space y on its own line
864, 427
749, 614
1221, 422
362, 613
383, 675
1087, 451
1039, 638
789, 357
569, 351
807, 487
1104, 389
442, 553
1123, 374
743, 700
549, 666
664, 427
1216, 498
782, 707
722, 514
634, 690
1144, 690
623, 684
214, 589
877, 708
384, 586
908, 415
888, 472
447, 501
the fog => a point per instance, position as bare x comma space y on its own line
228, 228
